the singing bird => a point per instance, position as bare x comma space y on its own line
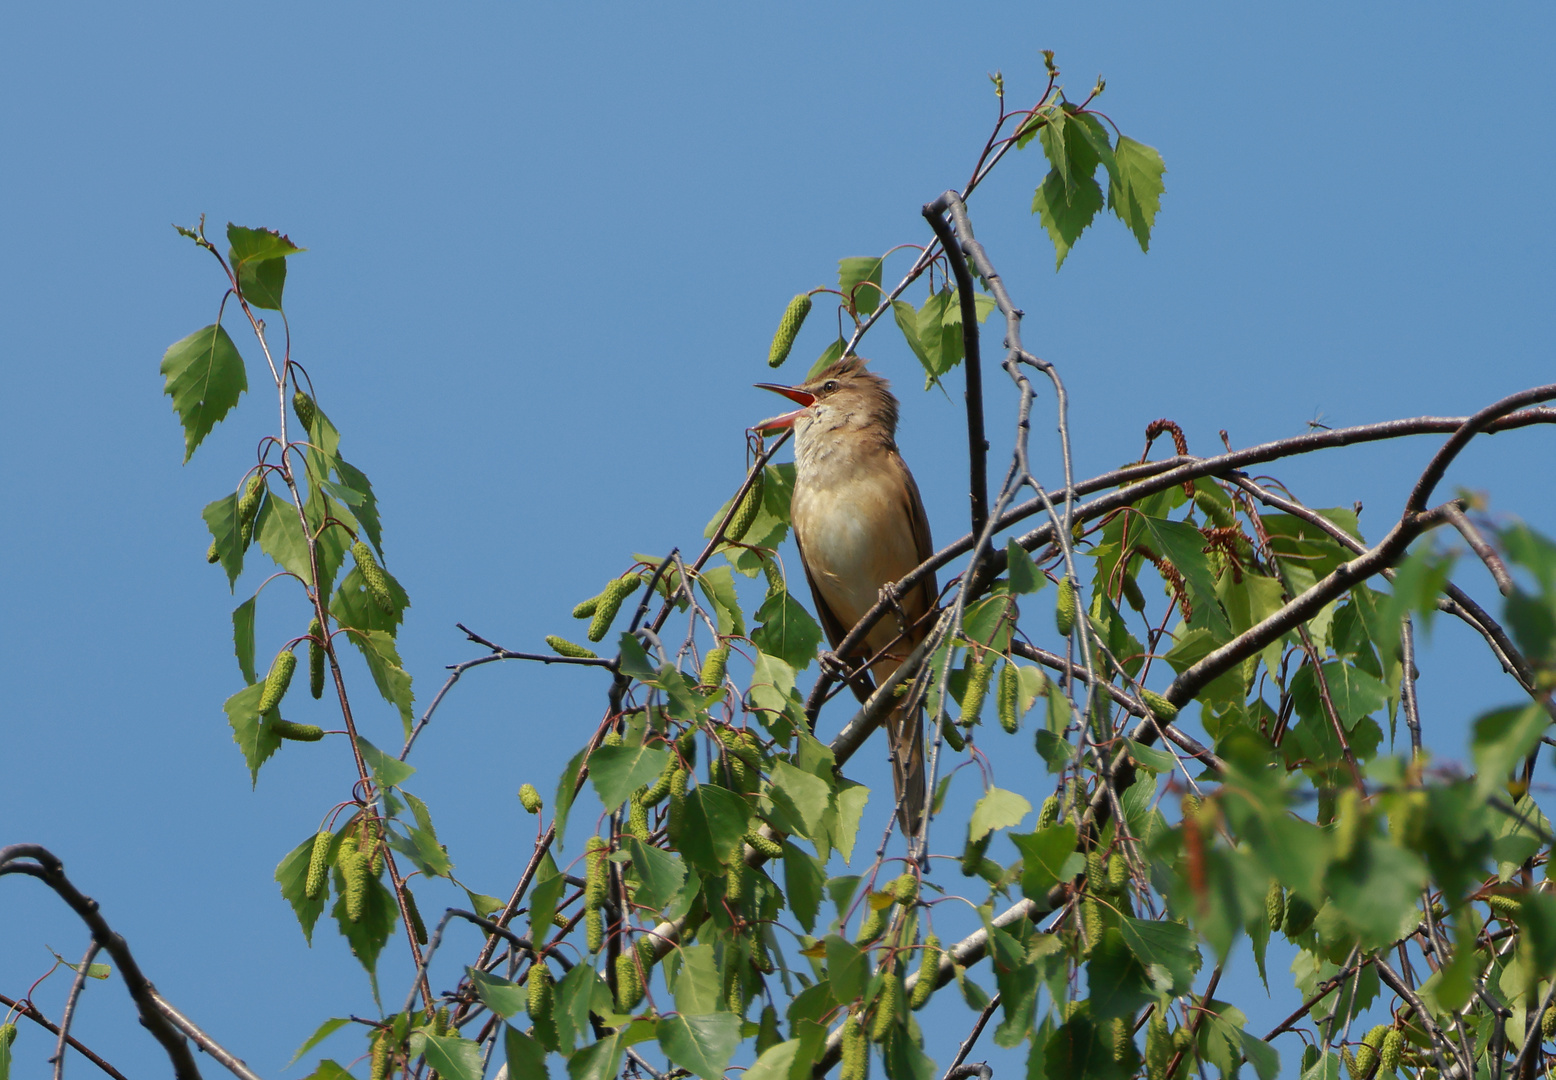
860, 525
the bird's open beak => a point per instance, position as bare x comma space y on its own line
804, 398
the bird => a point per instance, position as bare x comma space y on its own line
860, 525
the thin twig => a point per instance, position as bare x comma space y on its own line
76, 986
30, 1011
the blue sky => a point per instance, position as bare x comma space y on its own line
548, 245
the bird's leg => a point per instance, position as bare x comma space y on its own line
889, 597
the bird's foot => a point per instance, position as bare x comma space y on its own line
888, 596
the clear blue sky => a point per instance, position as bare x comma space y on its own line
548, 246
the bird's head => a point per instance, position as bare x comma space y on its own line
843, 396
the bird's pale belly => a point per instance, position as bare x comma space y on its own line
858, 536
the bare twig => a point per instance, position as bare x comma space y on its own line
30, 1011
76, 986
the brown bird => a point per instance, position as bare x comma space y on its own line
860, 525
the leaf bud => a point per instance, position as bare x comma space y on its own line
1064, 608
318, 863
887, 1004
276, 682
610, 603
316, 659
303, 406
563, 647
7, 1034
373, 576
1009, 698
928, 973
713, 667
788, 329
530, 799
297, 732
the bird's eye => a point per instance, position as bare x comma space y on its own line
829, 386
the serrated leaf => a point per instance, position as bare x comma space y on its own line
324, 1030
280, 535
367, 936
998, 809
597, 1061
366, 510
566, 788
906, 317
254, 738
718, 585
526, 1057
617, 771
787, 631
1136, 192
1044, 854
383, 663
1066, 215
803, 879
353, 606
1166, 945
703, 1044
204, 375
388, 770
243, 639
850, 800
453, 1057
544, 897
258, 257
660, 873
1023, 572
859, 280
697, 985
801, 798
1503, 738
221, 518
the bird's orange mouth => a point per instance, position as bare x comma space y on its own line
804, 398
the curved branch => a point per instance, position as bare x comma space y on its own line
30, 1011
76, 986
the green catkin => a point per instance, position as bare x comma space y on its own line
972, 854
418, 927
1347, 826
610, 603
7, 1034
595, 852
775, 583
1133, 595
905, 889
248, 505
1299, 915
354, 869
373, 576
746, 512
1191, 804
560, 921
1182, 1041
1275, 906
887, 1005
1123, 1037
772, 849
637, 815
211, 554
1548, 1023
612, 738
1164, 709
297, 732
1158, 1047
928, 973
1049, 813
1096, 872
380, 1066
542, 992
1504, 907
1373, 1040
952, 737
629, 984
767, 1033
788, 329
678, 777
735, 883
375, 847
655, 793
530, 799
686, 746
1007, 699
316, 659
594, 929
303, 406
873, 925
713, 667
276, 682
440, 1022
1064, 608
562, 647
977, 690
585, 609
1118, 874
856, 1051
1392, 1050
1091, 918
318, 864
1360, 1063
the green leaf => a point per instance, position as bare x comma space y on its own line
787, 631
526, 1057
997, 809
368, 935
850, 802
846, 967
324, 1030
859, 280
574, 998
803, 878
1261, 1055
801, 798
258, 257
1044, 854
566, 787
506, 999
1081, 1048
1024, 574
255, 739
204, 376
327, 1070
422, 842
776, 1062
365, 506
280, 534
1149, 757
221, 518
1116, 978
617, 771
1502, 739
548, 890
718, 585
703, 1044
1135, 191
1184, 545
292, 875
697, 985
453, 1057
906, 317
355, 607
597, 1061
388, 770
383, 662
243, 639
1066, 217
1168, 946
660, 873
828, 357
1355, 693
